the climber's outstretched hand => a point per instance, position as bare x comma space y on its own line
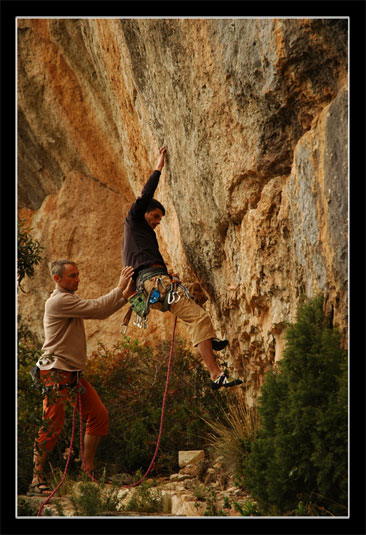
161, 158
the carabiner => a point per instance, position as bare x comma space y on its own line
123, 329
138, 321
177, 297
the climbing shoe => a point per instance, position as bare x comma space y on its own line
224, 381
217, 344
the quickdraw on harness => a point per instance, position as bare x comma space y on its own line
142, 300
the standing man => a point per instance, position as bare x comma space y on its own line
140, 249
62, 363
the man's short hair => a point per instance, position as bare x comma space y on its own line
58, 266
155, 204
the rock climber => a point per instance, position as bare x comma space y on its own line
140, 250
62, 362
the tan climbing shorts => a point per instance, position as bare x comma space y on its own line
195, 318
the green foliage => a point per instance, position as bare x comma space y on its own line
146, 500
26, 509
247, 509
29, 404
300, 452
29, 350
130, 380
209, 497
211, 504
29, 253
95, 499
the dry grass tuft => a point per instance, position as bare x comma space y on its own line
231, 432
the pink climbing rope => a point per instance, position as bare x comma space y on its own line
162, 411
81, 433
66, 466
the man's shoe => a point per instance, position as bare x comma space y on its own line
40, 489
224, 381
217, 344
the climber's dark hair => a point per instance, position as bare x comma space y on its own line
155, 204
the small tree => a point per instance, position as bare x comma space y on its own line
29, 405
301, 453
29, 253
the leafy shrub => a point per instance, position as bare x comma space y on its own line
29, 405
209, 497
130, 380
145, 500
95, 499
300, 453
26, 509
247, 509
28, 253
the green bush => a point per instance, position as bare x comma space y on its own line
130, 380
145, 500
95, 499
28, 253
300, 453
29, 412
29, 405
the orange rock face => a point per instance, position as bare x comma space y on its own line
254, 115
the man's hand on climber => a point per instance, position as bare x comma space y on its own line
161, 159
130, 290
125, 280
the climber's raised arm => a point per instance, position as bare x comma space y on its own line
140, 248
142, 203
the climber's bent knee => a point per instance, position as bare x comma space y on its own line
196, 319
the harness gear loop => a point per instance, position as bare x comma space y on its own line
126, 321
142, 300
74, 385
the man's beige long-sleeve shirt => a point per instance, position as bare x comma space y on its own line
65, 342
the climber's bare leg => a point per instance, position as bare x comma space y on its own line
208, 356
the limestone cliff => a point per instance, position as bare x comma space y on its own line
254, 115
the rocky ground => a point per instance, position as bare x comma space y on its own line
199, 488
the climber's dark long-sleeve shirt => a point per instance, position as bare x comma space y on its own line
140, 247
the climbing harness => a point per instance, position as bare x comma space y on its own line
142, 300
73, 386
81, 432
